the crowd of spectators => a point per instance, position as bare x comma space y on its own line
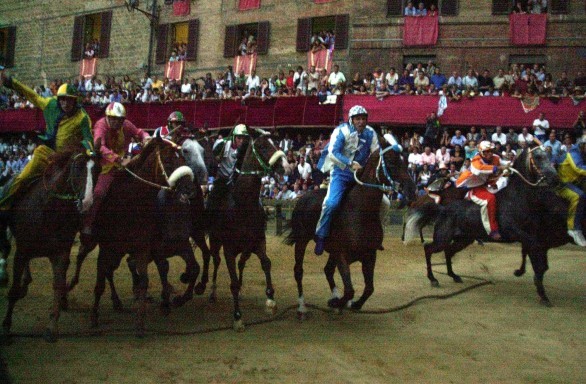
518, 81
15, 153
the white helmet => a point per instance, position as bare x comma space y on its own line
115, 109
581, 141
357, 110
485, 145
240, 130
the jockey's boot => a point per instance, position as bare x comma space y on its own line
320, 244
578, 237
496, 236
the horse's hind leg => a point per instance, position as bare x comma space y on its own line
84, 250
200, 241
368, 264
344, 270
329, 271
163, 268
230, 257
241, 265
521, 271
450, 251
116, 302
59, 265
300, 247
192, 271
15, 292
5, 250
103, 265
142, 287
265, 262
215, 246
443, 232
538, 259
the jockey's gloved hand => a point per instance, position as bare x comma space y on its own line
356, 166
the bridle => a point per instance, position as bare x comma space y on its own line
160, 166
76, 195
381, 164
532, 167
267, 167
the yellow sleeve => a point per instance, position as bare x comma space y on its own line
30, 95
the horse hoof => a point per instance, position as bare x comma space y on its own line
546, 303
213, 299
94, 321
49, 336
271, 307
64, 305
6, 338
301, 315
334, 303
238, 325
518, 272
457, 279
117, 305
434, 283
355, 306
165, 310
199, 289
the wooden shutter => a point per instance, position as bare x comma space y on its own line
11, 44
501, 7
342, 24
262, 39
558, 7
449, 8
162, 33
105, 34
231, 41
192, 40
303, 34
394, 8
168, 2
77, 40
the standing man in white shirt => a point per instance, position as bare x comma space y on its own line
499, 136
540, 125
253, 81
336, 77
185, 89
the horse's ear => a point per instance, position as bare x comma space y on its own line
382, 141
158, 136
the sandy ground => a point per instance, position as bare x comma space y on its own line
496, 333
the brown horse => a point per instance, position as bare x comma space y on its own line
243, 224
44, 221
356, 228
132, 222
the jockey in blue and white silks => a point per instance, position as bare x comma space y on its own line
349, 148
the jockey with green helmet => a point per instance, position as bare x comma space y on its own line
112, 134
67, 126
175, 129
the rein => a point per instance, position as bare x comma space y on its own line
531, 166
64, 196
381, 162
150, 183
266, 168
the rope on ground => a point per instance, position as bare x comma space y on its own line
277, 317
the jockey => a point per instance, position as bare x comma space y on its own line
112, 134
480, 178
572, 172
67, 125
175, 128
226, 154
349, 148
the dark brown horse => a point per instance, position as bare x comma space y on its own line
356, 232
132, 222
44, 221
242, 227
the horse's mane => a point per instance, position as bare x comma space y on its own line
58, 160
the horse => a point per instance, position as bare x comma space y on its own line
44, 220
459, 223
135, 199
241, 229
356, 232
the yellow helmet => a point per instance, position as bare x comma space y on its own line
67, 90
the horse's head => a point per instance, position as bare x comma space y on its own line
263, 156
193, 153
535, 169
393, 169
71, 176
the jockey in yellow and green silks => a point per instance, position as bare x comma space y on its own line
67, 125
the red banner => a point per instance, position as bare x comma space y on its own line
246, 63
244, 5
321, 59
485, 111
87, 67
181, 7
527, 28
420, 30
174, 69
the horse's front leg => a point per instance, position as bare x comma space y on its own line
265, 262
87, 245
59, 264
344, 269
215, 246
300, 247
142, 261
15, 293
163, 268
521, 271
192, 270
199, 240
329, 271
538, 258
368, 263
230, 256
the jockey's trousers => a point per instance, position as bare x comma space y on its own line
340, 181
577, 199
487, 201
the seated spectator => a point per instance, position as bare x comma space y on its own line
472, 135
512, 138
458, 140
438, 79
499, 136
568, 143
428, 158
509, 153
563, 82
485, 81
410, 10
421, 11
470, 81
442, 155
421, 80
408, 90
455, 79
392, 77
470, 150
336, 77
554, 143
432, 90
457, 159
423, 177
414, 158
382, 91
432, 10
405, 79
525, 138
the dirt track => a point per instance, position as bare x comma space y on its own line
496, 333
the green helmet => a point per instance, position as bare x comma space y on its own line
240, 130
67, 90
176, 116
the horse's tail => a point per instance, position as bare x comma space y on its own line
420, 218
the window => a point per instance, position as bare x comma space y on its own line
338, 24
7, 42
504, 7
91, 32
527, 60
179, 39
444, 7
256, 36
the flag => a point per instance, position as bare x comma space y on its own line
181, 7
527, 29
87, 67
420, 30
321, 59
529, 103
246, 64
174, 70
442, 104
244, 5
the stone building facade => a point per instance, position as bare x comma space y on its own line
38, 35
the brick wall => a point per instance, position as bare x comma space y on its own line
474, 37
